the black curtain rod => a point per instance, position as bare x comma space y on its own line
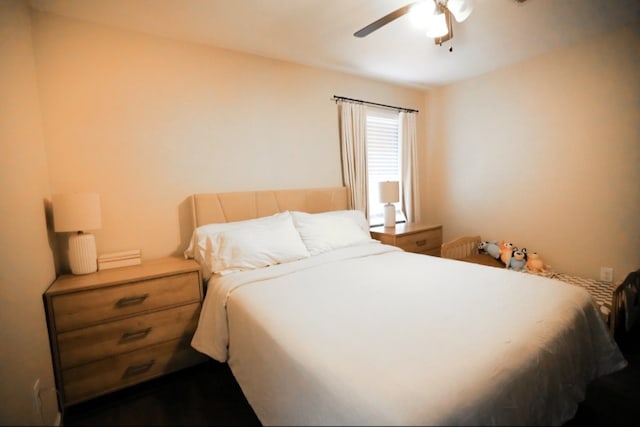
343, 98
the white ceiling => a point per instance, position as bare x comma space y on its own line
320, 32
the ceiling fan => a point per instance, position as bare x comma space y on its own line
432, 15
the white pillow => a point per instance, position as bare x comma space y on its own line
201, 235
205, 241
256, 246
325, 231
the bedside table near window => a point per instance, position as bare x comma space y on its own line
418, 238
118, 327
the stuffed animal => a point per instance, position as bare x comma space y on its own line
518, 259
490, 248
505, 252
534, 263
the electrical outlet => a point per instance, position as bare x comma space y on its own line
37, 403
606, 274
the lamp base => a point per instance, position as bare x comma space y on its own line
389, 215
82, 253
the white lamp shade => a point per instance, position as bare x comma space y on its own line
437, 26
420, 13
460, 9
76, 212
389, 191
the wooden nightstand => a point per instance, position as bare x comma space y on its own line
419, 238
118, 327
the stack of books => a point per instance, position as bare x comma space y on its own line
119, 259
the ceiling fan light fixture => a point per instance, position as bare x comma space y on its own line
437, 26
460, 9
421, 12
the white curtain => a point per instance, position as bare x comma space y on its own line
409, 162
353, 146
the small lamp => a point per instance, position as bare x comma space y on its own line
389, 193
78, 212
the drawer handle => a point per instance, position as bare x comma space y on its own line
139, 369
135, 335
128, 301
421, 242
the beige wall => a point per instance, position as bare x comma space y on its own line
26, 262
146, 121
545, 154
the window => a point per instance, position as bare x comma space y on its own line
383, 159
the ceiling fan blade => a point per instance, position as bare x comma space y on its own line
384, 21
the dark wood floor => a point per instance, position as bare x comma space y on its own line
207, 394
614, 400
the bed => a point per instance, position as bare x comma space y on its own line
619, 303
321, 325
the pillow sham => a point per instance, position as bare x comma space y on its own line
198, 244
322, 232
257, 246
275, 233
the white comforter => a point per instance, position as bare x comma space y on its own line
373, 335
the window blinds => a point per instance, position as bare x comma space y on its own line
383, 157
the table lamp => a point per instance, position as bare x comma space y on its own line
78, 212
389, 194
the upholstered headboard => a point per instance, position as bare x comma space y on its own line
210, 208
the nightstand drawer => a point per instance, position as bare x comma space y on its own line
77, 310
113, 373
423, 241
411, 237
96, 342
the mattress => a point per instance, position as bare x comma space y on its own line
371, 335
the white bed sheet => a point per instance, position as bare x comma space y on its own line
371, 335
